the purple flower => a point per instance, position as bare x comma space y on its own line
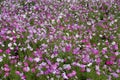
17, 72
109, 62
115, 75
98, 60
8, 51
95, 51
64, 76
72, 74
76, 51
68, 48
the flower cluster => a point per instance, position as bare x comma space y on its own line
59, 39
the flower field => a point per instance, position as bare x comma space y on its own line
59, 39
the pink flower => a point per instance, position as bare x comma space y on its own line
6, 69
72, 74
26, 69
8, 51
67, 66
68, 48
98, 72
82, 70
23, 77
17, 72
30, 59
64, 76
115, 47
25, 64
33, 70
104, 51
1, 50
109, 62
6, 74
98, 60
115, 75
95, 51
76, 51
6, 65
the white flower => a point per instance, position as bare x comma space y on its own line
18, 36
88, 23
59, 17
24, 16
27, 69
43, 63
4, 55
11, 48
52, 56
64, 76
37, 59
98, 44
13, 31
97, 68
88, 69
105, 48
11, 38
77, 35
58, 60
15, 44
115, 20
1, 59
113, 43
19, 63
65, 66
53, 21
8, 32
3, 45
101, 35
89, 64
67, 34
52, 79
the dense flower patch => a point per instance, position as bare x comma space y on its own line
60, 39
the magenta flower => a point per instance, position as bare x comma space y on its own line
95, 51
26, 69
76, 51
72, 74
6, 69
23, 77
25, 64
33, 70
68, 48
6, 74
30, 59
17, 72
115, 47
104, 51
8, 51
98, 60
1, 50
109, 62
